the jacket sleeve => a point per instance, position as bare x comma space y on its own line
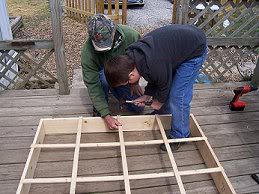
160, 86
150, 89
162, 93
90, 69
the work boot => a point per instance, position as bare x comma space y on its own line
174, 146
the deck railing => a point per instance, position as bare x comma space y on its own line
81, 10
33, 69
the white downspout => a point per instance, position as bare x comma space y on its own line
6, 34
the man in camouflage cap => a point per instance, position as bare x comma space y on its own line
101, 31
107, 40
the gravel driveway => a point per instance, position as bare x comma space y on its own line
155, 13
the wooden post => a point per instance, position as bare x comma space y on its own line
185, 10
182, 10
116, 11
100, 6
174, 11
57, 31
124, 11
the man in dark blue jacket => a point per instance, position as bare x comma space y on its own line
169, 59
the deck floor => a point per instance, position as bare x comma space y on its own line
234, 137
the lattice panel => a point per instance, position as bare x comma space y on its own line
31, 72
228, 19
230, 64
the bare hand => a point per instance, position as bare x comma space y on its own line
136, 89
111, 122
156, 105
141, 100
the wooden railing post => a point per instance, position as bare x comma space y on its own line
181, 8
174, 11
124, 11
57, 31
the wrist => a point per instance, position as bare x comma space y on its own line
147, 97
106, 116
104, 112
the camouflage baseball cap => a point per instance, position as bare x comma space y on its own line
101, 30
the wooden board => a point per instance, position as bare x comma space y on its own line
131, 124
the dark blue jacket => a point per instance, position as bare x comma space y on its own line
158, 54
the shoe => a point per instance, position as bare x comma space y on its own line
174, 146
96, 113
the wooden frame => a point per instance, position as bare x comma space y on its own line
81, 125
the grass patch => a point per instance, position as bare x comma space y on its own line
32, 11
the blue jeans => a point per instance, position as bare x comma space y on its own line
121, 93
180, 96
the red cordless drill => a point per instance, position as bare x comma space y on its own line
236, 104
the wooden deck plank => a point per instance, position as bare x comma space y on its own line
224, 101
20, 155
47, 111
28, 93
223, 92
48, 101
221, 139
227, 118
245, 167
228, 128
222, 149
234, 137
82, 188
211, 86
242, 184
203, 120
243, 126
32, 120
218, 90
219, 85
219, 110
75, 109
18, 131
67, 101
